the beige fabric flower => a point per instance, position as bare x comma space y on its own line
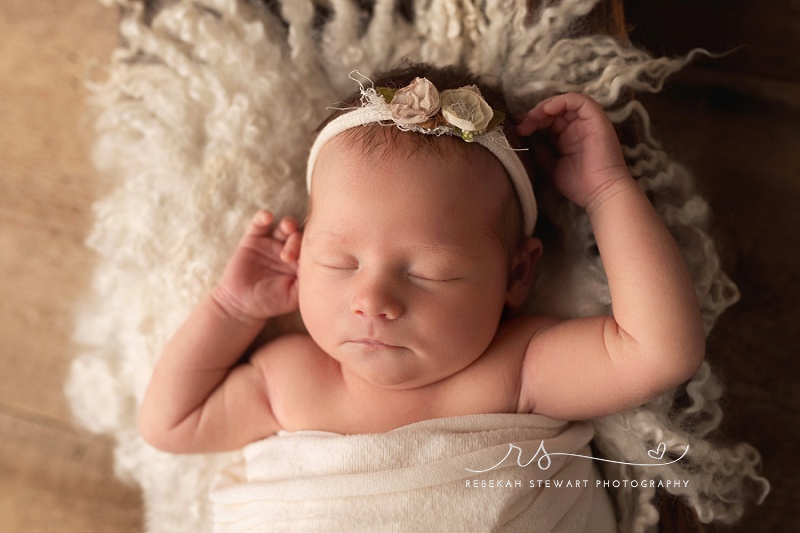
416, 103
466, 109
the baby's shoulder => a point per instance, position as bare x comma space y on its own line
292, 351
521, 329
282, 343
510, 344
300, 379
493, 382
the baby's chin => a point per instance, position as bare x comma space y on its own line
393, 368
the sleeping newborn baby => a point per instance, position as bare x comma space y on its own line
417, 246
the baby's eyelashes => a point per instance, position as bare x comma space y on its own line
345, 266
437, 271
337, 263
337, 267
433, 279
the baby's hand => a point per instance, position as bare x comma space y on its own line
260, 280
589, 158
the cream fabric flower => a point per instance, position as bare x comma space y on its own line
466, 109
416, 103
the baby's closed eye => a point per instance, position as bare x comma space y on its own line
440, 277
415, 274
337, 265
336, 261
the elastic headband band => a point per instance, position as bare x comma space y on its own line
375, 110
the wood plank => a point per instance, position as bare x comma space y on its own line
48, 187
740, 140
53, 477
765, 31
733, 121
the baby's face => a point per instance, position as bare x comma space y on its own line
401, 278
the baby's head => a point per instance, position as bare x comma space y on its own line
414, 243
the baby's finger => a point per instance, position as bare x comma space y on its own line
291, 248
562, 103
539, 118
560, 123
533, 123
259, 225
284, 228
574, 106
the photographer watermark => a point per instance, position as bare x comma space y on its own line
573, 483
544, 462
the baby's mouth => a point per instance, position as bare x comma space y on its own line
372, 344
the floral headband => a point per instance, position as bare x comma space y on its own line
421, 108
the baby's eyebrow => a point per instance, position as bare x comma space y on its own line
449, 249
438, 248
441, 252
334, 235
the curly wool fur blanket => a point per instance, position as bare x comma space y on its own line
205, 117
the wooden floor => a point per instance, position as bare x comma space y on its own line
53, 477
734, 120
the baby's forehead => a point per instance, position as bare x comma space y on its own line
377, 165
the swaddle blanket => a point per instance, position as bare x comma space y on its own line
497, 472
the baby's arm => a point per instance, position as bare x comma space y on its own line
199, 399
595, 366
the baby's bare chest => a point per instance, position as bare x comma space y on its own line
316, 396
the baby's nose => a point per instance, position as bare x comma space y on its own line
374, 299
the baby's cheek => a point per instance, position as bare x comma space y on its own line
471, 324
309, 299
320, 307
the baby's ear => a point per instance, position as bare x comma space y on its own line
523, 266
